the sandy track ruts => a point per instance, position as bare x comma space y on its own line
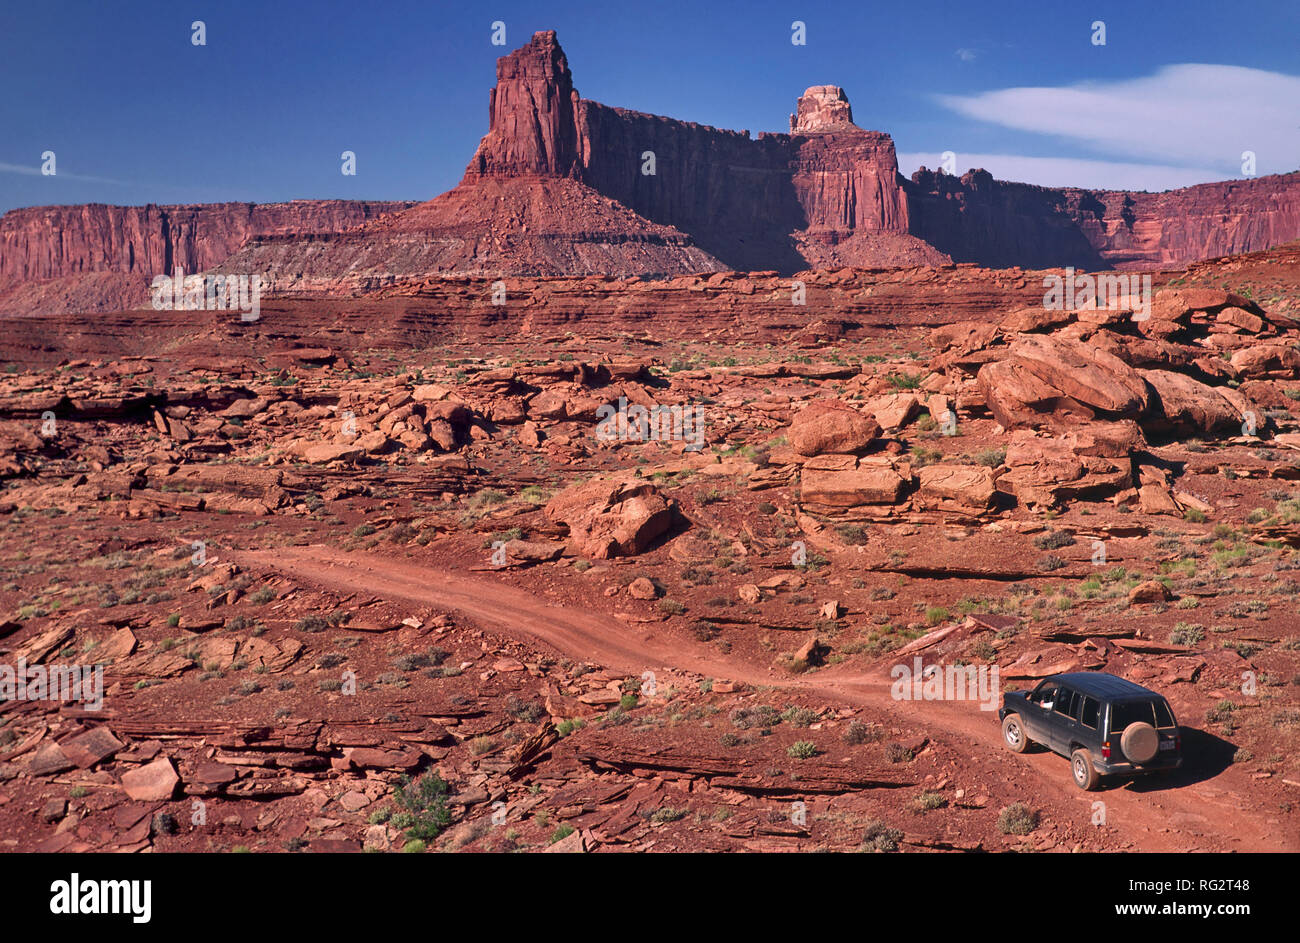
1204, 815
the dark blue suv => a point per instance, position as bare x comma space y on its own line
1104, 724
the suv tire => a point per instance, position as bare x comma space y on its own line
1140, 742
1013, 734
1086, 776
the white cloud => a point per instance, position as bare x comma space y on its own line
1069, 171
17, 169
1188, 116
966, 55
36, 172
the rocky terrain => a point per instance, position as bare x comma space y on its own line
373, 573
564, 186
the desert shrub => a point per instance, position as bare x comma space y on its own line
802, 749
858, 733
1054, 540
748, 718
424, 801
929, 800
564, 831
897, 753
799, 716
879, 837
1017, 819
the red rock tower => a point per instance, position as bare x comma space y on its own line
531, 126
822, 108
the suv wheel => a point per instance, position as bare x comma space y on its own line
1086, 776
1013, 734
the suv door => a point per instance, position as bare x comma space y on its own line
1038, 713
1065, 722
1088, 715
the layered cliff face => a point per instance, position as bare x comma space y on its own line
975, 218
1136, 230
53, 241
751, 203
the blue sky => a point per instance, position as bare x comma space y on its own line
135, 113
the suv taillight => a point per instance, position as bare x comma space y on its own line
1105, 750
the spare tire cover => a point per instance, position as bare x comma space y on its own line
1140, 742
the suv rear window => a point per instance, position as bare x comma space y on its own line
1164, 716
1124, 713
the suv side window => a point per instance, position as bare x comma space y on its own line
1065, 702
1044, 696
1089, 715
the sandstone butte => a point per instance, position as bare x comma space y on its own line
556, 187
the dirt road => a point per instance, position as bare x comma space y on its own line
1204, 815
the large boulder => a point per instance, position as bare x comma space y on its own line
1118, 439
836, 489
1181, 404
963, 336
1037, 318
1018, 399
831, 426
894, 410
1043, 376
1267, 360
612, 517
1083, 372
967, 488
1042, 472
153, 782
326, 452
1175, 304
1237, 319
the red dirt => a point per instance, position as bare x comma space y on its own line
1195, 816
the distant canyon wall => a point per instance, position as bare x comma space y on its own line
47, 242
975, 218
826, 195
